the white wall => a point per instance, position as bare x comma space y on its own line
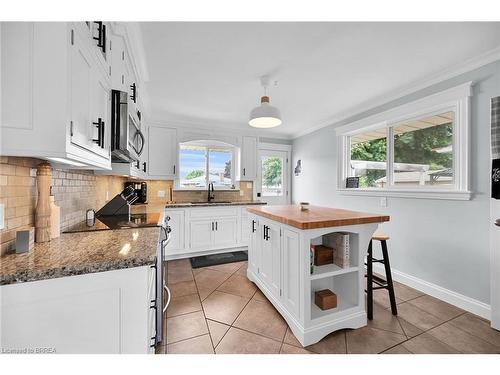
441, 242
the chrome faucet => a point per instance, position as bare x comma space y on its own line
211, 191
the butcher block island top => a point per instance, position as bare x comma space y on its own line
316, 216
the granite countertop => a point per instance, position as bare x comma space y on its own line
80, 253
213, 204
316, 217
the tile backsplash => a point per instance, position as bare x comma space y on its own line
75, 191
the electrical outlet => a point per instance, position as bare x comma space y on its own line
2, 216
107, 196
383, 202
242, 193
161, 193
249, 185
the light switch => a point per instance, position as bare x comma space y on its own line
249, 185
383, 202
161, 193
2, 216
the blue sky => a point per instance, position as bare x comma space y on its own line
194, 159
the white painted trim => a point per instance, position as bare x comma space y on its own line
453, 298
467, 66
410, 193
274, 147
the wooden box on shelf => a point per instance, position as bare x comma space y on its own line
322, 255
325, 299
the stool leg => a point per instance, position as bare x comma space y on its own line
388, 276
369, 281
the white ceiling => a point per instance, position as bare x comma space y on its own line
208, 73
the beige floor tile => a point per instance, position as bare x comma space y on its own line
210, 279
184, 305
461, 340
383, 319
227, 267
186, 326
204, 293
381, 297
263, 319
239, 285
291, 339
196, 271
217, 331
290, 349
237, 341
178, 275
478, 327
436, 307
334, 343
243, 269
223, 307
183, 264
398, 349
183, 288
427, 344
419, 318
259, 296
409, 329
405, 293
368, 340
196, 345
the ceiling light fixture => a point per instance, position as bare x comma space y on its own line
265, 115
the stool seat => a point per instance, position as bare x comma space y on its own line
380, 236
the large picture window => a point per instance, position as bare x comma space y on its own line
202, 164
416, 150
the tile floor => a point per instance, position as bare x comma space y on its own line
218, 310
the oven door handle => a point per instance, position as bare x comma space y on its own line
168, 298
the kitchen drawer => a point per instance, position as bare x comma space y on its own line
213, 212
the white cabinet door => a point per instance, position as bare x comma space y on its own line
248, 158
226, 232
255, 239
177, 237
82, 81
201, 234
100, 111
118, 69
245, 229
291, 271
162, 151
270, 267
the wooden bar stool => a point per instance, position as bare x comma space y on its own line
380, 282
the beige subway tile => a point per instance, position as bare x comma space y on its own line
14, 223
10, 212
22, 171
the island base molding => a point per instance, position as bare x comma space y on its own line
313, 334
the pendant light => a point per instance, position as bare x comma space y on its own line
265, 115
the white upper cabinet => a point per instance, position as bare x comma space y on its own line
162, 152
54, 91
248, 158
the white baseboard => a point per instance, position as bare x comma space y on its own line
453, 298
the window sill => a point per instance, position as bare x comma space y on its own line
410, 193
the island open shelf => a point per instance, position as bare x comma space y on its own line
279, 263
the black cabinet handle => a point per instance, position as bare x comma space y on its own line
144, 167
137, 164
244, 170
212, 226
101, 37
100, 132
253, 226
174, 168
216, 226
133, 96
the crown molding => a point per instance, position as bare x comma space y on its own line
445, 74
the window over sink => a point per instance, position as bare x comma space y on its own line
204, 162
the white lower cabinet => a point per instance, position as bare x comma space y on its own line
202, 230
104, 312
270, 256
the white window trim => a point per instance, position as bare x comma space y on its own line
208, 144
456, 99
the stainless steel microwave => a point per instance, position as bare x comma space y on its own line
127, 140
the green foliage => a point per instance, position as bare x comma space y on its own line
271, 171
227, 169
195, 173
414, 147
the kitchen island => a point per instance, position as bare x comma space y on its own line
279, 263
